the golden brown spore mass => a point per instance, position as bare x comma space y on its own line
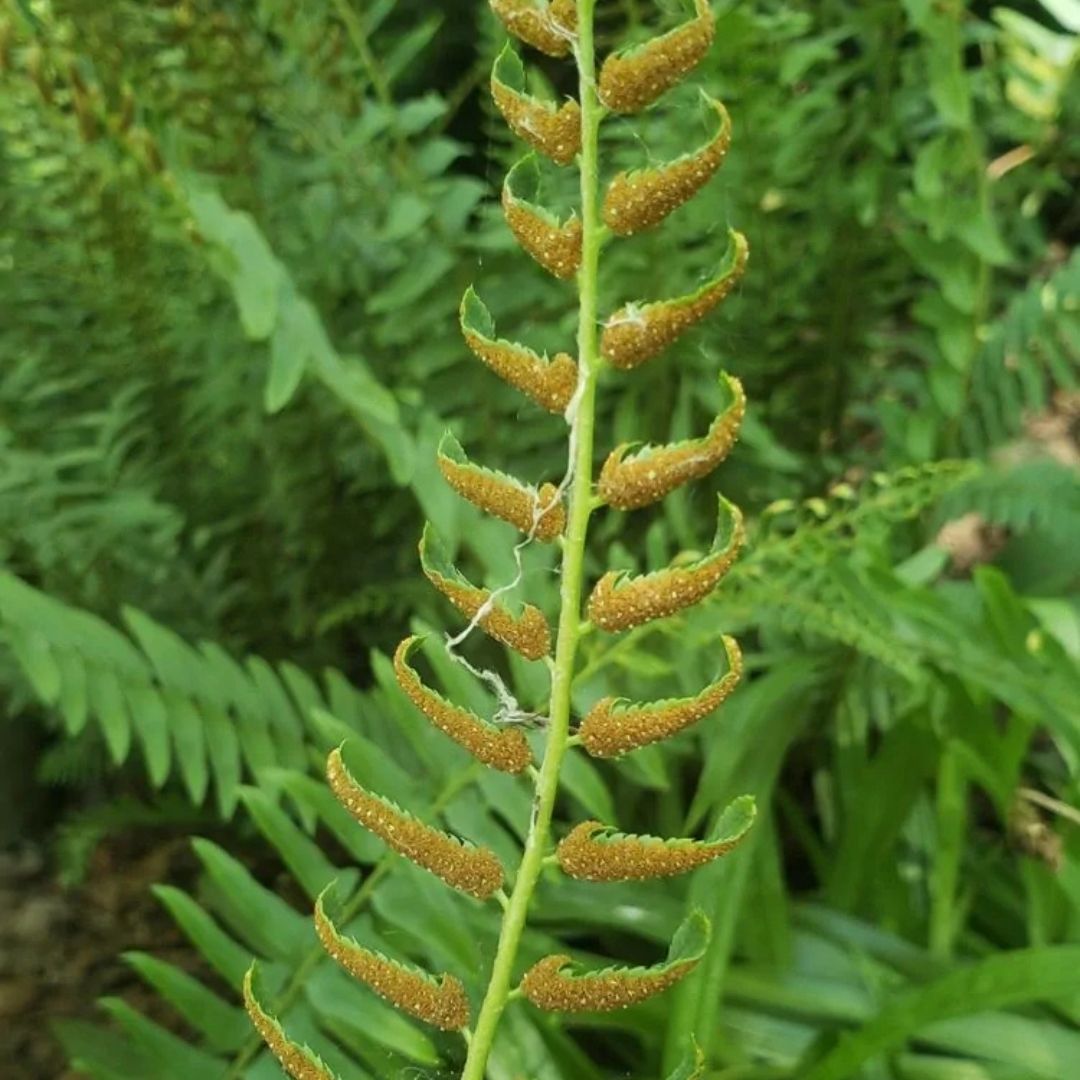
550, 383
643, 198
612, 727
636, 333
621, 602
472, 870
555, 132
537, 513
633, 79
505, 749
547, 985
628, 483
555, 246
549, 29
527, 633
564, 15
440, 1002
595, 852
299, 1062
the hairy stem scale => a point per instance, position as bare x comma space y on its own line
582, 416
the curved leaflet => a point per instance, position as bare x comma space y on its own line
632, 478
555, 984
527, 633
636, 333
440, 1002
469, 869
550, 383
554, 244
505, 749
597, 852
620, 601
613, 727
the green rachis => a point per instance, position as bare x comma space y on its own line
567, 135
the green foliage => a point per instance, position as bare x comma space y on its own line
192, 711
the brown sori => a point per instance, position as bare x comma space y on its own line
550, 383
548, 29
298, 1062
632, 80
621, 602
637, 333
472, 870
648, 475
441, 1003
613, 727
547, 987
540, 514
555, 132
594, 852
527, 633
555, 246
643, 198
505, 749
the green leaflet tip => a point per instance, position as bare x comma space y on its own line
692, 1066
509, 68
736, 821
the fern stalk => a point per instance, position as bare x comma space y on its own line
573, 559
631, 80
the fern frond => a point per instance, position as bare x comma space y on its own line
465, 867
636, 333
506, 749
554, 983
1032, 351
440, 1002
1036, 496
596, 852
528, 633
195, 711
620, 602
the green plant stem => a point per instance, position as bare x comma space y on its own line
581, 506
